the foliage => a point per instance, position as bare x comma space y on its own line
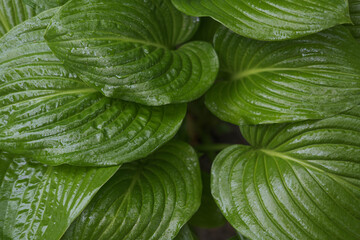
92, 92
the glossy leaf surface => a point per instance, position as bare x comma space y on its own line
40, 202
45, 4
273, 82
355, 17
148, 199
137, 54
295, 181
49, 114
272, 19
12, 13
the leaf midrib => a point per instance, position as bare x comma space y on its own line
281, 155
243, 74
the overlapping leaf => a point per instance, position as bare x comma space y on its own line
186, 234
147, 199
40, 202
355, 17
267, 82
127, 50
12, 13
49, 114
272, 19
296, 181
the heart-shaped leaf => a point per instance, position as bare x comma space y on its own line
271, 19
49, 114
13, 12
355, 17
40, 202
134, 56
272, 82
296, 181
148, 199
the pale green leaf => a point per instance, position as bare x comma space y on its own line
12, 13
45, 4
40, 202
272, 82
271, 19
355, 17
132, 50
295, 181
49, 114
148, 199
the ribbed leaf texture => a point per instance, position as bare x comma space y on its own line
295, 181
137, 54
49, 114
45, 4
355, 17
40, 202
272, 82
271, 19
148, 199
12, 13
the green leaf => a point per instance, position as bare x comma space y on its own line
208, 215
207, 30
148, 199
355, 17
272, 19
134, 56
45, 4
295, 181
186, 234
40, 202
49, 114
273, 82
12, 13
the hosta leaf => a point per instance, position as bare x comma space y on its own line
40, 202
148, 199
355, 17
45, 4
272, 19
13, 12
134, 56
49, 114
267, 82
296, 181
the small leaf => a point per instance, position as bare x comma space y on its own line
147, 199
208, 215
186, 234
134, 56
295, 181
271, 19
49, 114
273, 82
12, 13
40, 202
355, 17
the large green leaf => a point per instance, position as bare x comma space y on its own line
49, 114
355, 17
136, 56
148, 199
272, 82
13, 12
271, 19
295, 181
40, 202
